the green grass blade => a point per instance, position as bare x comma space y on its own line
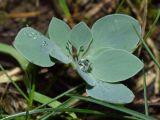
45, 100
31, 112
152, 26
147, 48
113, 106
65, 104
52, 102
31, 90
7, 49
145, 94
14, 83
65, 8
119, 6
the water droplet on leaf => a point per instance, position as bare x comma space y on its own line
30, 35
34, 37
44, 44
85, 65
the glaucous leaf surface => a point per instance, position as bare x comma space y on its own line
114, 65
57, 53
59, 32
89, 79
115, 31
80, 36
34, 46
114, 93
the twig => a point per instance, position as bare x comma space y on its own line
135, 11
152, 45
145, 11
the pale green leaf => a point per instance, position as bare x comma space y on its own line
57, 53
34, 46
115, 31
113, 93
113, 65
59, 32
80, 36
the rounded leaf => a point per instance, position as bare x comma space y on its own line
115, 31
34, 47
57, 53
80, 36
113, 65
59, 32
113, 93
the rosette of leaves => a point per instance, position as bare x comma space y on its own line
101, 55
